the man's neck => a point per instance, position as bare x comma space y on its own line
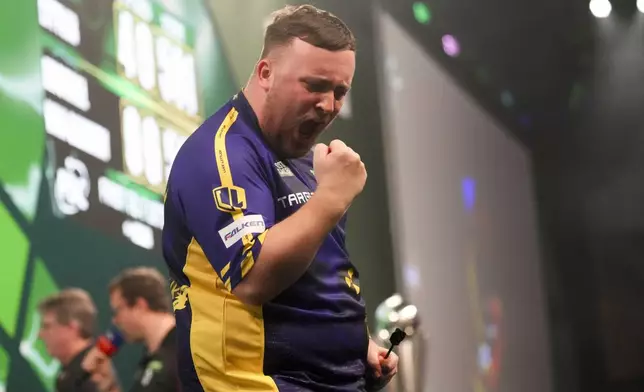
157, 327
255, 98
73, 349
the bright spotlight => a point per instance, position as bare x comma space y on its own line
422, 13
451, 46
601, 8
640, 5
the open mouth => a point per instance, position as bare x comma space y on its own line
310, 128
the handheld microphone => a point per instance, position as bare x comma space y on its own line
109, 344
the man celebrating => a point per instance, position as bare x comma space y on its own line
265, 296
68, 320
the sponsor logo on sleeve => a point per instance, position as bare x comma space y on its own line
230, 198
249, 224
283, 170
293, 199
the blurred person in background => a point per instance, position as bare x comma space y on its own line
68, 322
266, 296
142, 311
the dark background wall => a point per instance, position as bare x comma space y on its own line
591, 186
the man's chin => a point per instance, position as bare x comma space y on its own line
295, 151
301, 151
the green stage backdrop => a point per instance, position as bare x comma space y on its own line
95, 98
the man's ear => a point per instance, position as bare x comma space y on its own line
264, 73
141, 303
75, 325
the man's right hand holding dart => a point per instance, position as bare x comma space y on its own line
382, 368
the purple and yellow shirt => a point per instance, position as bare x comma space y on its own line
225, 190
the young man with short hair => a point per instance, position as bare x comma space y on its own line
254, 234
142, 312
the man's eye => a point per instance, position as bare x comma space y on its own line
316, 87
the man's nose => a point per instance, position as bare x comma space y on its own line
326, 105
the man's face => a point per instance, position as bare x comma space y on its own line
56, 336
126, 318
305, 92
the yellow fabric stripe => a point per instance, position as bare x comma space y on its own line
224, 270
226, 336
226, 178
247, 264
220, 148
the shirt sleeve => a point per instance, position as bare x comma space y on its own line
228, 206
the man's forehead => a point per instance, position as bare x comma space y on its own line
305, 51
335, 67
49, 318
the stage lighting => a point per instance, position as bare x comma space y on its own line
600, 8
451, 46
640, 5
421, 12
507, 99
525, 120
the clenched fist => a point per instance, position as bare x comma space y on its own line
339, 172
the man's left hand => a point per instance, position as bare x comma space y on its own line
383, 369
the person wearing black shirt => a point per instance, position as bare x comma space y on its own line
69, 377
157, 370
68, 319
142, 312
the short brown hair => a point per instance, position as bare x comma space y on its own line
146, 283
312, 25
69, 305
